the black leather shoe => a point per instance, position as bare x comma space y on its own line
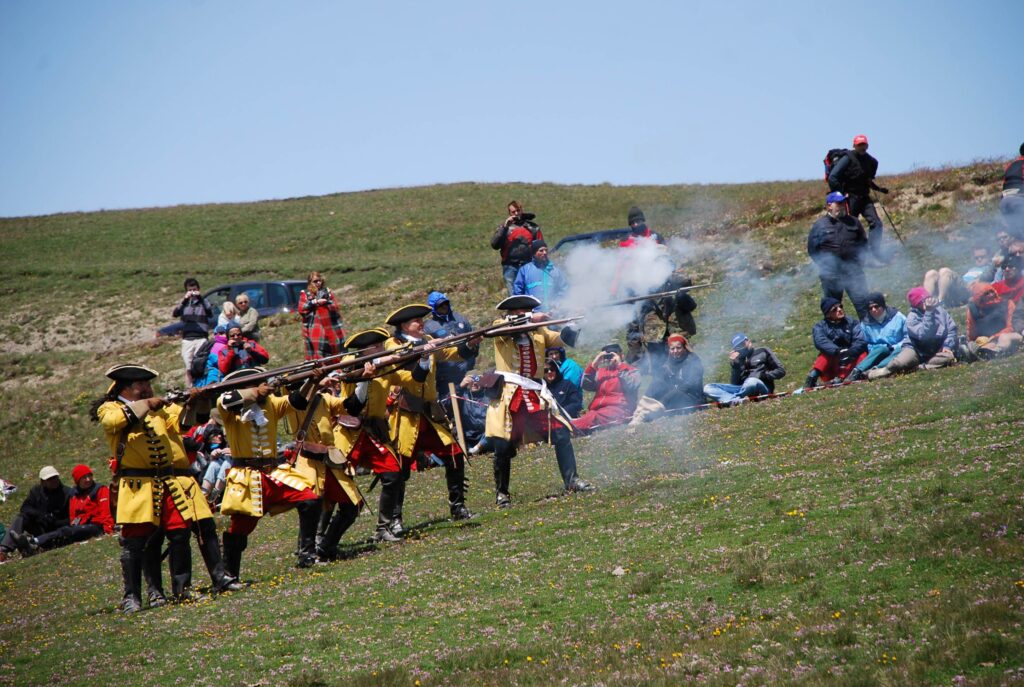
461, 513
503, 501
580, 486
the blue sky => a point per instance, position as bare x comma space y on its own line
136, 104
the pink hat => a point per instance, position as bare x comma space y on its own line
916, 296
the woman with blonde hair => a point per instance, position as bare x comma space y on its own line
228, 312
322, 331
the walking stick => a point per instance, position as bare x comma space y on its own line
894, 229
458, 418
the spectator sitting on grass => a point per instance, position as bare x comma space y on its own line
568, 395
570, 369
45, 509
885, 331
840, 343
950, 288
931, 335
615, 385
754, 372
678, 383
990, 330
88, 512
1011, 286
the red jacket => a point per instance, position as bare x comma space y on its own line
1010, 291
231, 358
92, 507
615, 388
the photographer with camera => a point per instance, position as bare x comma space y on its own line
195, 313
240, 353
615, 385
514, 238
322, 331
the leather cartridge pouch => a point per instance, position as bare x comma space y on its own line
410, 402
348, 421
492, 384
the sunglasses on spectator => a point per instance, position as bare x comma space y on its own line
874, 306
236, 335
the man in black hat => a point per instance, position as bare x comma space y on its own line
638, 229
514, 238
158, 495
419, 426
521, 408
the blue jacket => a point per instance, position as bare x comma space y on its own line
890, 332
546, 283
572, 372
831, 337
439, 326
930, 331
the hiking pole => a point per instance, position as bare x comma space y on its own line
894, 229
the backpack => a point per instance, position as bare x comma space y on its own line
520, 240
832, 157
198, 366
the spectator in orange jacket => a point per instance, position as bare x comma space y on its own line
88, 512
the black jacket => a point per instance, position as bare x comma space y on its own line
832, 337
48, 508
854, 173
842, 237
568, 395
679, 383
759, 363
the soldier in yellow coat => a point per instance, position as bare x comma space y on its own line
419, 426
258, 482
524, 411
157, 492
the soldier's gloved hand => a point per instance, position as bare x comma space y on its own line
845, 357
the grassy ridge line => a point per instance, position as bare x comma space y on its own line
757, 542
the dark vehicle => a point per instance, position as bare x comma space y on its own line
268, 297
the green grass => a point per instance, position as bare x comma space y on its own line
861, 536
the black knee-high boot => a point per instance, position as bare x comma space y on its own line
342, 520
180, 545
234, 545
390, 485
131, 573
309, 516
209, 547
455, 477
152, 560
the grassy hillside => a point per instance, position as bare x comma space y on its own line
867, 535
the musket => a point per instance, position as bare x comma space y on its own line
652, 296
507, 329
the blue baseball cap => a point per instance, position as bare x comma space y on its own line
835, 197
738, 339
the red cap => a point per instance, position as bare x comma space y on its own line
79, 472
860, 138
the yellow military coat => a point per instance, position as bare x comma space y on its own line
321, 432
405, 425
243, 493
153, 443
498, 423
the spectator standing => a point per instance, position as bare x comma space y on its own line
677, 384
247, 316
44, 510
322, 330
840, 343
444, 321
541, 279
240, 353
88, 513
836, 244
195, 313
753, 372
931, 334
854, 175
615, 385
885, 331
514, 238
1012, 203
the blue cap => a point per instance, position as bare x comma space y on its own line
435, 298
738, 339
835, 197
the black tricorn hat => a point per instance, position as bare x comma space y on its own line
130, 372
518, 303
367, 338
408, 312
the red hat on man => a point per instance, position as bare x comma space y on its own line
860, 138
79, 472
